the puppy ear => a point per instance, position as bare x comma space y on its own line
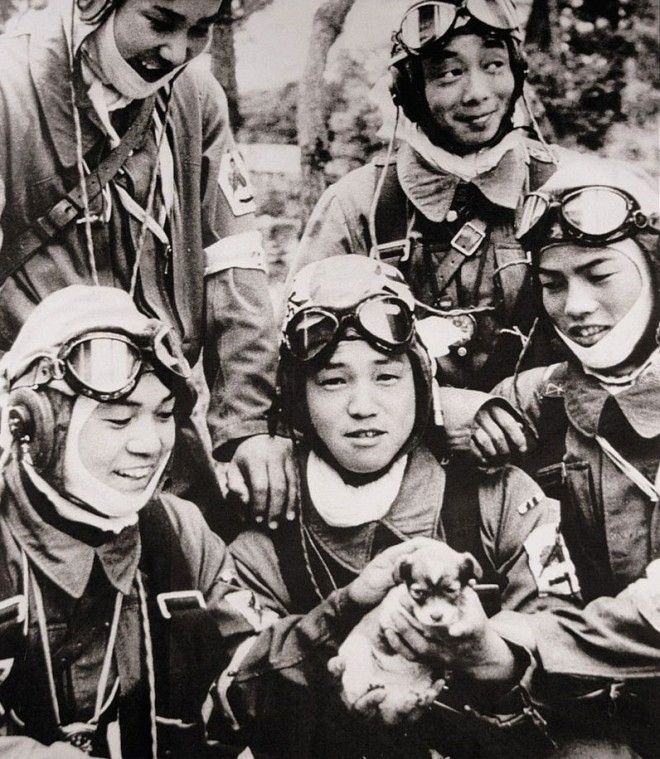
469, 569
405, 571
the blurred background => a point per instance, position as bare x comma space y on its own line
308, 89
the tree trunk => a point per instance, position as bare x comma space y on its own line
312, 110
223, 57
543, 26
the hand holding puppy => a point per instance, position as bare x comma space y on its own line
440, 619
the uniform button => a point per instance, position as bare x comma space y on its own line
451, 215
462, 352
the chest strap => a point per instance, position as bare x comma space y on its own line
16, 252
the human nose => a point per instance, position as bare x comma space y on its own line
145, 439
361, 402
477, 89
579, 300
175, 50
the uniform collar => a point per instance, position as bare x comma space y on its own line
431, 187
66, 560
585, 398
415, 511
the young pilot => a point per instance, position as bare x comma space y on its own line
119, 608
356, 390
592, 435
445, 212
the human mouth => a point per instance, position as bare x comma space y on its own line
365, 437
135, 474
587, 335
151, 69
477, 120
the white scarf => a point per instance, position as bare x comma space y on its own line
619, 343
343, 505
466, 167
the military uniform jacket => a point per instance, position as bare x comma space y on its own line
431, 206
611, 526
171, 550
209, 283
515, 522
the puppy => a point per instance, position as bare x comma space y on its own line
370, 670
435, 577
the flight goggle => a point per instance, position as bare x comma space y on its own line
107, 365
430, 21
595, 214
384, 321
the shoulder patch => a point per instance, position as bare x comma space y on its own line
234, 181
550, 562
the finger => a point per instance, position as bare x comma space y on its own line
291, 471
497, 437
221, 477
511, 427
236, 484
277, 494
484, 444
477, 453
257, 479
336, 667
367, 704
398, 645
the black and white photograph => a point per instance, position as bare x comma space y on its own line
330, 379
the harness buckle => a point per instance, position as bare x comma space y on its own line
468, 239
179, 600
390, 249
15, 607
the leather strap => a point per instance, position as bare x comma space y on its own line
17, 252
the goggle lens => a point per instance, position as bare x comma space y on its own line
596, 211
104, 364
533, 210
386, 319
426, 23
310, 332
430, 21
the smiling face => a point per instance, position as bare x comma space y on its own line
362, 405
468, 85
156, 36
587, 291
122, 443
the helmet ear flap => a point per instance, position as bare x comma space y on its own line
31, 420
404, 88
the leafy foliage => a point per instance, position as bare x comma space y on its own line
598, 68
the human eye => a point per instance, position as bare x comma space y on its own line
120, 420
165, 414
388, 377
331, 381
449, 74
551, 285
159, 24
494, 65
600, 274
